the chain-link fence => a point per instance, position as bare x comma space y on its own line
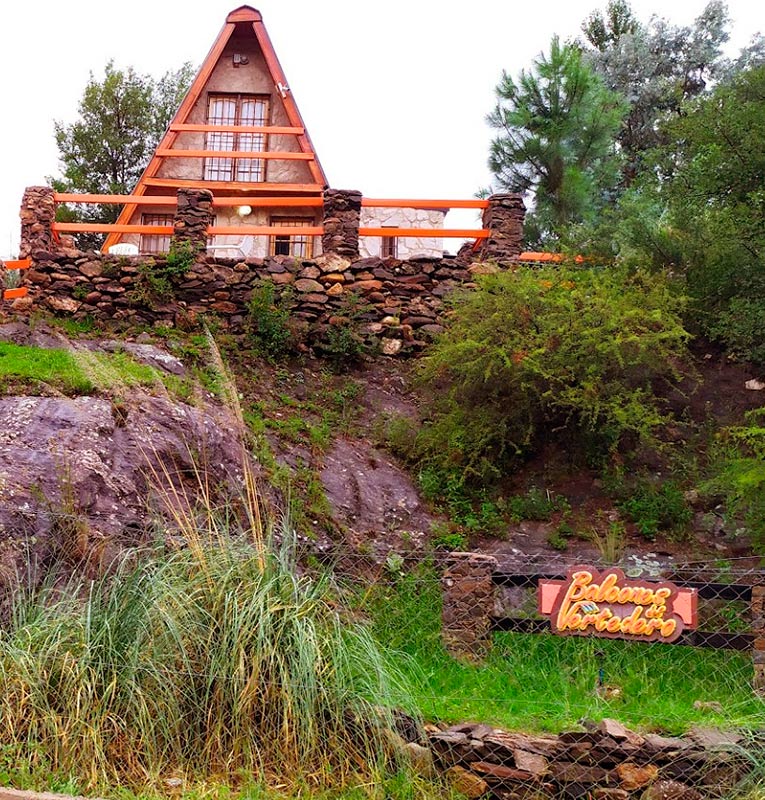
519, 711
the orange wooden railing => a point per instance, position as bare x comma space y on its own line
12, 294
276, 129
261, 202
373, 202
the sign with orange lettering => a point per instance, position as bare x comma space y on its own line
593, 603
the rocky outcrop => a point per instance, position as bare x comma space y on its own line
82, 477
605, 761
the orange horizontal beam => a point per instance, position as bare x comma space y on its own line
225, 230
70, 197
233, 186
267, 202
98, 227
533, 256
371, 202
275, 129
167, 152
149, 200
12, 294
427, 233
24, 263
265, 230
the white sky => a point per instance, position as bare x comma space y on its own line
393, 93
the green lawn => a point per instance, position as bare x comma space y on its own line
548, 683
68, 371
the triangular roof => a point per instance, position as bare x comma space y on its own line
242, 18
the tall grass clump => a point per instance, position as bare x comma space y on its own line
216, 661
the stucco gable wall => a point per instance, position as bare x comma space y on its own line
250, 78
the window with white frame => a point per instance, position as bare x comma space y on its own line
236, 109
159, 243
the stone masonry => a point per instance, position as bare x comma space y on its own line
38, 210
342, 212
504, 219
193, 214
468, 599
602, 761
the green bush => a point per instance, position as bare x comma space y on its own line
738, 473
740, 328
536, 504
180, 258
657, 507
550, 355
343, 343
268, 321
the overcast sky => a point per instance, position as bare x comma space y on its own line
393, 93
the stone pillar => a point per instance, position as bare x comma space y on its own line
758, 643
468, 601
192, 216
504, 219
38, 210
342, 213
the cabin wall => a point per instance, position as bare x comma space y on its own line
427, 247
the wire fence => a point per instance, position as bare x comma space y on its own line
515, 709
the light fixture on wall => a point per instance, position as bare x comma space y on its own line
239, 59
244, 211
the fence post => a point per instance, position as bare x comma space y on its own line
342, 215
38, 211
468, 601
758, 644
192, 216
504, 218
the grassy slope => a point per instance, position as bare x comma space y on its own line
545, 682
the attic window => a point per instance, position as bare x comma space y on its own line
236, 109
299, 245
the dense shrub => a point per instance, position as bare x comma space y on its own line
268, 321
567, 355
657, 507
739, 474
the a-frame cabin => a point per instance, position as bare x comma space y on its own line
240, 106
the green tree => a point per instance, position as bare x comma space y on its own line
603, 30
120, 122
712, 180
655, 67
557, 126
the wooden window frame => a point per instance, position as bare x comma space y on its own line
276, 243
237, 139
155, 244
389, 245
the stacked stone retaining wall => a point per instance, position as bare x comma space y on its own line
401, 303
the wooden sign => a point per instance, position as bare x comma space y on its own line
593, 603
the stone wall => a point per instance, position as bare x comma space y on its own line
604, 761
399, 303
504, 218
